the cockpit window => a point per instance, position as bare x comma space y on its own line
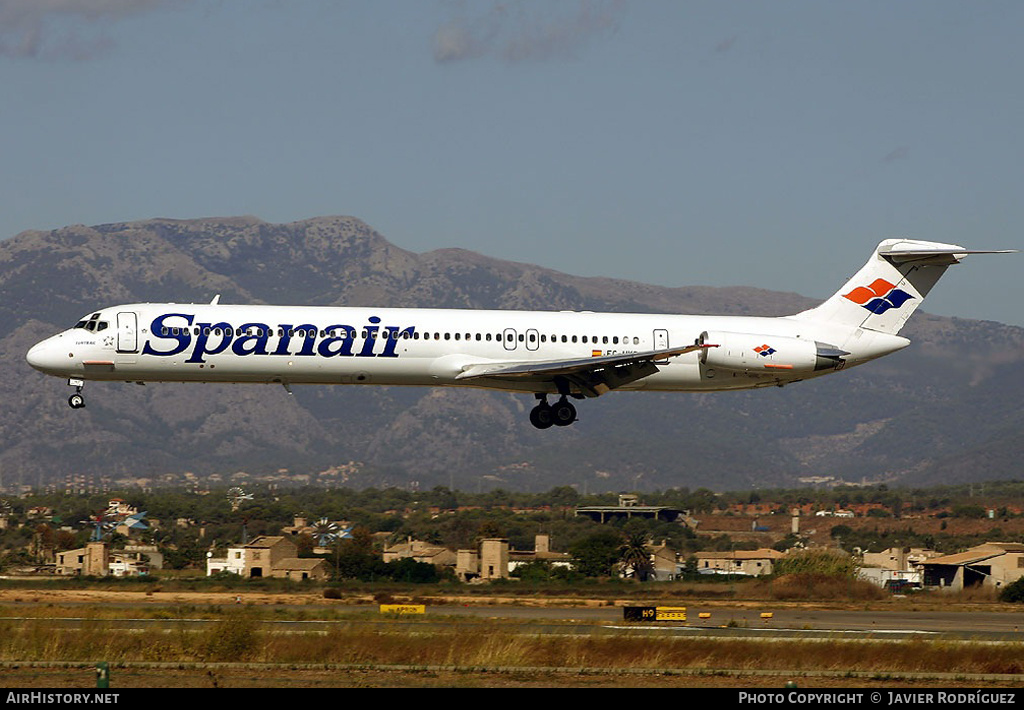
93, 323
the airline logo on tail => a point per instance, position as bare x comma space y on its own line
879, 297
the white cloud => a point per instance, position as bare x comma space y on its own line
65, 29
525, 31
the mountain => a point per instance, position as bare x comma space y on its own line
945, 409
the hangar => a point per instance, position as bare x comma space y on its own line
993, 564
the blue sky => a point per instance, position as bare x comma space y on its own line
719, 143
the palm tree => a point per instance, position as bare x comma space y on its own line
635, 557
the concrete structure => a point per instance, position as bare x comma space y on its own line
490, 561
899, 558
268, 556
135, 560
265, 553
233, 562
301, 568
541, 553
665, 561
629, 507
894, 579
749, 562
993, 564
421, 552
92, 560
494, 558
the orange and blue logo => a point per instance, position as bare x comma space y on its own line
765, 350
879, 297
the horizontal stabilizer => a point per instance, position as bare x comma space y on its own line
946, 256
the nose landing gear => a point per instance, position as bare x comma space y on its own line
544, 415
76, 401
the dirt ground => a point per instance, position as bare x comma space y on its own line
287, 678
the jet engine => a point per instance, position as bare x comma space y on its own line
747, 352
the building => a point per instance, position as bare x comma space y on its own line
301, 568
268, 556
233, 562
265, 553
899, 558
91, 560
993, 564
421, 552
135, 560
896, 567
748, 562
541, 553
664, 561
627, 508
489, 561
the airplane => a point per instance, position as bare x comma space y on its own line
571, 355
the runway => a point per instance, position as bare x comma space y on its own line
722, 621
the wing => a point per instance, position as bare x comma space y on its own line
593, 375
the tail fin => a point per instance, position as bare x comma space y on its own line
890, 286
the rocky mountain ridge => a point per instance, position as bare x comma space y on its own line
945, 409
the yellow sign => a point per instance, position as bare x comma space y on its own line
403, 609
670, 613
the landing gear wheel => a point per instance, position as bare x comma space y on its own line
76, 401
563, 412
541, 416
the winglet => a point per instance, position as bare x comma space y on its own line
216, 300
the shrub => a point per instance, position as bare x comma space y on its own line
1013, 593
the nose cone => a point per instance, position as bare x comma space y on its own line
45, 358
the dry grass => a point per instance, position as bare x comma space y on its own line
239, 638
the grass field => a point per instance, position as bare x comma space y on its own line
235, 647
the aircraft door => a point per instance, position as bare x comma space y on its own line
127, 333
660, 339
509, 339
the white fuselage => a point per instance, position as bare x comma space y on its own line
432, 347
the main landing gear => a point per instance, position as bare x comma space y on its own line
76, 401
544, 415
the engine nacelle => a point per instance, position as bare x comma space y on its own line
747, 352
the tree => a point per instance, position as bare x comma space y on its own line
1013, 592
597, 554
407, 569
635, 557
